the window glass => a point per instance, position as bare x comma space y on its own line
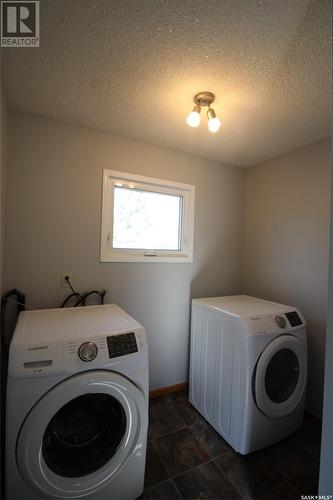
146, 220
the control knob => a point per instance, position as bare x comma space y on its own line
87, 351
280, 321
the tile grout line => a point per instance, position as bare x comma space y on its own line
211, 458
224, 474
299, 450
167, 434
183, 472
196, 467
209, 462
185, 426
187, 470
205, 447
191, 469
280, 484
175, 485
163, 482
169, 403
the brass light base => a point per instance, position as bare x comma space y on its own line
204, 98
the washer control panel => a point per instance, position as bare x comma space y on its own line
88, 351
101, 351
120, 345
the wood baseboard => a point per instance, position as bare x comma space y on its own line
162, 391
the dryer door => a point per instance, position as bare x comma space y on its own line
280, 376
80, 433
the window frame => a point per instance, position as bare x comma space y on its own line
112, 178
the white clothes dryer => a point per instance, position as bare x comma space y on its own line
77, 405
248, 369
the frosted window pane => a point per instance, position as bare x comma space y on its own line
146, 220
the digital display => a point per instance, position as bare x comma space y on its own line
38, 364
120, 345
294, 318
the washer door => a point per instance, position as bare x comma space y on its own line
280, 376
80, 433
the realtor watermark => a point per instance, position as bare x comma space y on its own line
19, 23
316, 497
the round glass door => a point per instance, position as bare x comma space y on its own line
84, 435
280, 376
80, 433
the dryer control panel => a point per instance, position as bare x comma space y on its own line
281, 322
293, 318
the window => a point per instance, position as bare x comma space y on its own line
146, 219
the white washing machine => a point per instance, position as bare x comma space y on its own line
77, 405
248, 369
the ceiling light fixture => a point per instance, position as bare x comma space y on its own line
204, 99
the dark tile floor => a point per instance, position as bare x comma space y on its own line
187, 459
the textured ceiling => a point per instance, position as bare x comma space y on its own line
131, 67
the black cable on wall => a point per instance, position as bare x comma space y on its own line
81, 299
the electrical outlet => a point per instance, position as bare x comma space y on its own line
65, 283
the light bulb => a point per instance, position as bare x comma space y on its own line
214, 125
193, 119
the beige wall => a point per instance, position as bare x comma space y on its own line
286, 243
53, 191
53, 209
